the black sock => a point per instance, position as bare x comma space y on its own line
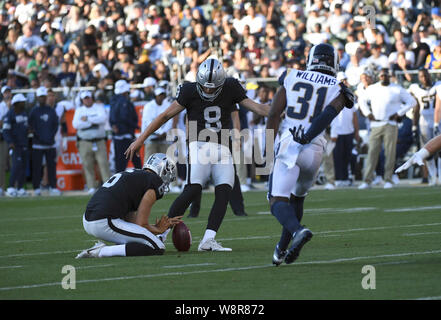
297, 203
181, 203
196, 205
285, 238
222, 195
284, 213
135, 249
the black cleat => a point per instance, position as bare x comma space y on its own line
278, 256
241, 214
301, 237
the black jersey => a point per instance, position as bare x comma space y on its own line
213, 115
122, 193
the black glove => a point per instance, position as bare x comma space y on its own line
348, 94
298, 134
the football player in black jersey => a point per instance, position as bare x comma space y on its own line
210, 103
119, 211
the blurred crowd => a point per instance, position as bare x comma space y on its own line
72, 44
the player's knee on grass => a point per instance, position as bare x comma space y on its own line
136, 249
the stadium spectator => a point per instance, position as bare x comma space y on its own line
344, 129
388, 102
255, 20
44, 123
15, 133
433, 60
293, 44
124, 121
89, 120
157, 142
5, 104
401, 47
377, 58
355, 67
28, 41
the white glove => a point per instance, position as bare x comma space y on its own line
417, 158
64, 144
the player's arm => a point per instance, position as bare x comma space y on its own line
277, 107
169, 113
143, 214
261, 109
323, 120
431, 147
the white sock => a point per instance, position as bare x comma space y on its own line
209, 234
118, 250
164, 234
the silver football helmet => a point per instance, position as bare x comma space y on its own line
163, 167
210, 78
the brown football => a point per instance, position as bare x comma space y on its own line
181, 237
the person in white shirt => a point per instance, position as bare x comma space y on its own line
400, 45
89, 120
388, 102
157, 142
255, 21
355, 67
344, 129
377, 58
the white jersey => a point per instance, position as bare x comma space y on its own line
307, 94
426, 100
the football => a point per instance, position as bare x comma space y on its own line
181, 237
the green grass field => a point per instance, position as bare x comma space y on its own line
396, 231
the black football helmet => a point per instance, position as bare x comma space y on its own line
323, 58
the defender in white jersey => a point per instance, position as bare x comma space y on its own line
310, 99
424, 115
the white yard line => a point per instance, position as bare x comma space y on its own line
413, 209
419, 234
11, 267
189, 265
157, 275
23, 241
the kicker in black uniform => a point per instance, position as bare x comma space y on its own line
210, 103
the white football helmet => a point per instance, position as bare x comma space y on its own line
163, 167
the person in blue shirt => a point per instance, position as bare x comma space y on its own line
15, 132
43, 123
124, 120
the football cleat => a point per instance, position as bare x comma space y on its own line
278, 256
54, 192
212, 245
299, 239
92, 252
